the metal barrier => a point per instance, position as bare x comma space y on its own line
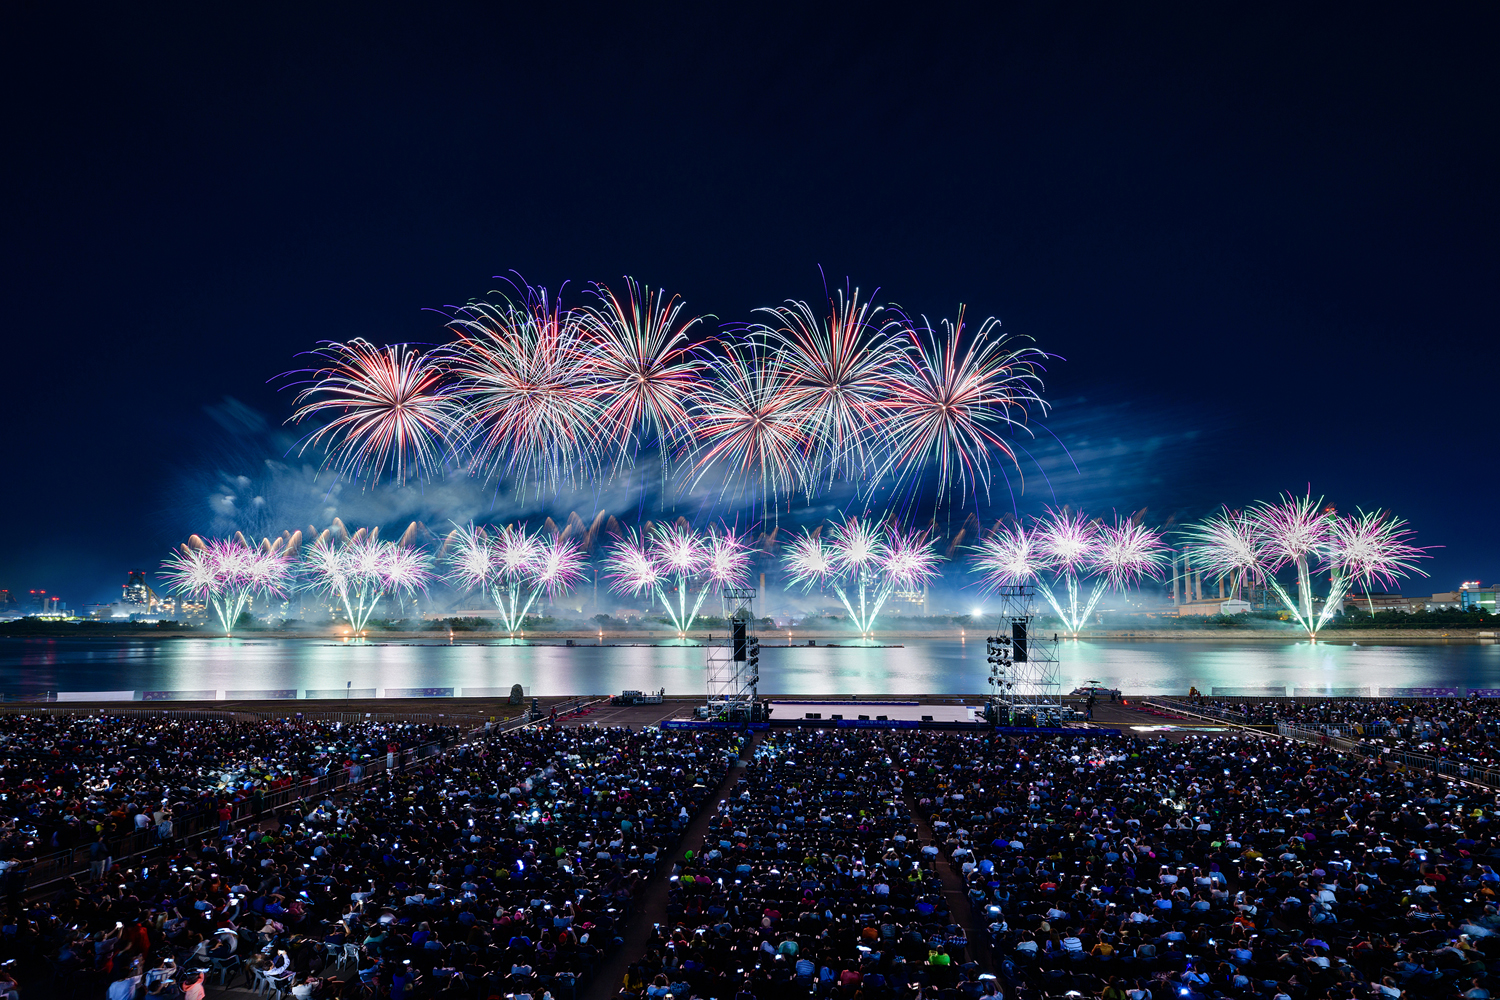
1342, 738
62, 864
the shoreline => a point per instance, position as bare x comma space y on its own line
769, 638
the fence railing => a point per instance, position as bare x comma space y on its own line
52, 867
1346, 739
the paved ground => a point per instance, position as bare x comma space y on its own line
634, 716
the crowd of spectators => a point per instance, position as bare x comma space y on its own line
1462, 730
813, 880
1192, 868
502, 865
1234, 866
70, 780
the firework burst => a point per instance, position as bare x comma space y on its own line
532, 409
952, 399
837, 368
642, 368
391, 410
744, 424
227, 574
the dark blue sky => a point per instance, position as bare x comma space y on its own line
1264, 237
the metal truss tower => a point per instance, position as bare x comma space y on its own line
1023, 666
734, 662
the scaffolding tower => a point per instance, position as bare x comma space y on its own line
734, 661
1024, 673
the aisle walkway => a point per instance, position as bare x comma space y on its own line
954, 892
652, 908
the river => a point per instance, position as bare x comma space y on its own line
938, 666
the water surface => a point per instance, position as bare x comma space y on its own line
936, 666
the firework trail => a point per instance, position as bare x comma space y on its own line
1064, 548
678, 566
950, 400
227, 574
864, 564
392, 411
359, 570
1301, 534
836, 370
515, 567
641, 365
532, 409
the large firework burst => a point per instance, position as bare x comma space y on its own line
532, 408
837, 368
952, 400
392, 411
746, 427
641, 365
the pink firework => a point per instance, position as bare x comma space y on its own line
403, 570
1128, 552
1292, 530
227, 573
514, 551
1009, 557
677, 549
1375, 548
746, 428
559, 566
1226, 545
728, 560
808, 560
857, 544
471, 562
391, 410
630, 567
1067, 540
910, 561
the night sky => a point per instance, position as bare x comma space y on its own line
1264, 239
